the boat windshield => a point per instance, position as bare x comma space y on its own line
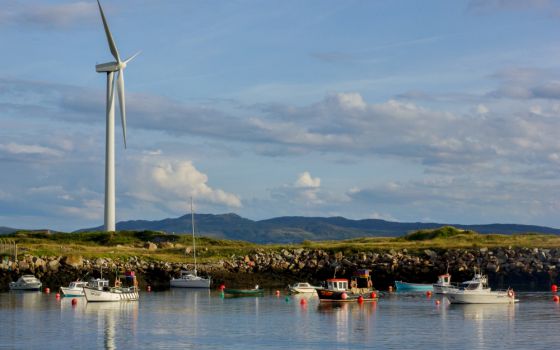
471, 285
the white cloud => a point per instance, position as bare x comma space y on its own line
161, 181
305, 180
23, 149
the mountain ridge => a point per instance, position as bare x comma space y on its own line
295, 229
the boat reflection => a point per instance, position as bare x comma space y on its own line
481, 312
111, 315
352, 321
23, 299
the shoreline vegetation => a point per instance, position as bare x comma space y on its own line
58, 258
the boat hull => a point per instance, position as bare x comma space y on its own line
190, 283
303, 289
95, 295
413, 287
326, 295
29, 287
244, 292
72, 292
459, 297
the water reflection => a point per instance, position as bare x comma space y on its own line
23, 299
351, 321
112, 315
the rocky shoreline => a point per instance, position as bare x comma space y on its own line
535, 268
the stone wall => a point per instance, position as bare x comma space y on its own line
529, 268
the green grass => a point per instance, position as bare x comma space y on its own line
125, 244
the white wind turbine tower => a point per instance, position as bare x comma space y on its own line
110, 68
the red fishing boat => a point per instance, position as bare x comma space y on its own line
360, 289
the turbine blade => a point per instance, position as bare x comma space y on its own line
112, 45
132, 57
120, 89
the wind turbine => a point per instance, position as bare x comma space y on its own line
110, 68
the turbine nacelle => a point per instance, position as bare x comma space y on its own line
107, 67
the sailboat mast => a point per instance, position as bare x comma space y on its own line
193, 240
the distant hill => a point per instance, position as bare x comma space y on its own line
289, 229
7, 230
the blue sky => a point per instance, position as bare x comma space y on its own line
443, 111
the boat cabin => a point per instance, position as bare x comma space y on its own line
444, 280
361, 281
99, 283
337, 284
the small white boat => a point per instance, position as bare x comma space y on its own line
26, 282
476, 291
75, 289
190, 279
443, 284
115, 293
302, 287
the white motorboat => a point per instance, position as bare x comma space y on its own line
476, 291
26, 282
443, 284
116, 293
302, 287
190, 279
75, 289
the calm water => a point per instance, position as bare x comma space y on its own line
203, 320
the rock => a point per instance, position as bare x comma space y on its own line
75, 261
53, 265
150, 246
431, 254
167, 245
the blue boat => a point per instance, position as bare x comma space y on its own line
413, 287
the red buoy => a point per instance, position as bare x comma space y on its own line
554, 288
149, 288
437, 302
47, 290
57, 295
303, 302
360, 299
74, 301
428, 294
277, 293
222, 286
343, 296
373, 295
556, 298
390, 288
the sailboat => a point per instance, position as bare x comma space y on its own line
190, 279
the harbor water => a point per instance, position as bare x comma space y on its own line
201, 319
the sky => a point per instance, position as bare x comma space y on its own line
430, 111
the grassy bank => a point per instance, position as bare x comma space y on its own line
176, 248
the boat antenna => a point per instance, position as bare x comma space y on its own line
193, 240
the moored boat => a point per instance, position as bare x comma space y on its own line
302, 287
476, 291
191, 279
244, 292
116, 293
413, 287
360, 289
26, 282
443, 284
74, 289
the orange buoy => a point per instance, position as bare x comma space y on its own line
554, 288
74, 301
360, 299
390, 288
303, 302
437, 302
556, 298
47, 290
373, 295
277, 293
149, 288
343, 296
